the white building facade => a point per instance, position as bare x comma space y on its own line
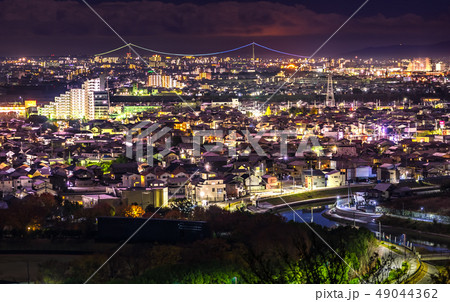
89, 102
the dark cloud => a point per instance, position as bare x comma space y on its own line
160, 21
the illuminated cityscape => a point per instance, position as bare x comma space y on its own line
213, 148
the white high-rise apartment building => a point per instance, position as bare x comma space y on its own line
164, 81
91, 86
78, 103
62, 106
90, 102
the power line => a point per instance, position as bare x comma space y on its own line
279, 51
202, 54
129, 45
113, 50
192, 55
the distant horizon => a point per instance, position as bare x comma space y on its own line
236, 54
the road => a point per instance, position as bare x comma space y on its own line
423, 276
393, 259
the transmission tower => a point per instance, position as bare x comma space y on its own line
330, 102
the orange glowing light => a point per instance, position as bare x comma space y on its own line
290, 66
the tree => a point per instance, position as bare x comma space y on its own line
122, 159
37, 119
82, 268
3, 220
270, 258
30, 213
442, 277
72, 209
199, 213
132, 211
47, 200
185, 207
313, 111
101, 209
296, 110
255, 248
151, 214
174, 214
52, 272
445, 187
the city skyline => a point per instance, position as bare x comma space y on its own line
226, 142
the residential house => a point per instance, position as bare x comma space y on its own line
335, 178
270, 182
388, 173
313, 179
206, 189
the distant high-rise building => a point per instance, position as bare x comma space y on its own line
155, 58
101, 104
330, 102
90, 101
440, 66
77, 103
420, 64
164, 81
204, 75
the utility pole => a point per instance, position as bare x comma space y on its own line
348, 195
379, 229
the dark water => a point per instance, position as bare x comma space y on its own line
306, 215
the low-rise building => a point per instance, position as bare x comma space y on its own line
313, 179
335, 178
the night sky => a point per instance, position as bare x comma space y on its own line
43, 27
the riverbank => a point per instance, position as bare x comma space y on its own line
432, 227
400, 227
390, 229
